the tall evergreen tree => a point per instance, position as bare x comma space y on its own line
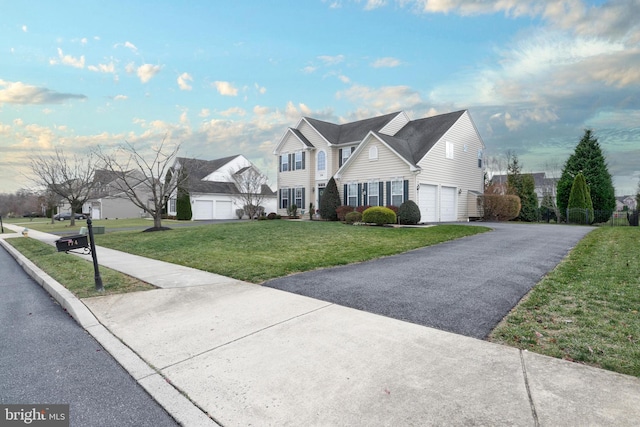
588, 159
528, 199
183, 200
330, 201
580, 205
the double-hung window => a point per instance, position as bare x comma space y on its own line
298, 161
322, 161
284, 198
373, 196
480, 158
172, 205
397, 192
450, 149
346, 153
352, 195
284, 163
298, 198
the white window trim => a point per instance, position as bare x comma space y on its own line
352, 187
297, 159
284, 161
284, 195
450, 149
324, 166
346, 153
296, 198
376, 186
395, 193
373, 153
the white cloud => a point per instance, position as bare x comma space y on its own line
103, 68
261, 89
83, 41
183, 80
20, 93
147, 71
225, 88
387, 62
331, 60
261, 111
309, 69
382, 99
344, 79
128, 45
205, 112
120, 98
234, 111
374, 4
24, 28
67, 60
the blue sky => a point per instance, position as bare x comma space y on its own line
227, 78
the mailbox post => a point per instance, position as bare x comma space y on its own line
96, 270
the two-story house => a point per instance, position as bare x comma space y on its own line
437, 162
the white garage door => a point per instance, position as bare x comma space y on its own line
428, 203
223, 209
203, 209
447, 204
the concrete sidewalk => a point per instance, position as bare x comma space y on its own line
249, 355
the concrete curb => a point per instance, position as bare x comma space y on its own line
171, 399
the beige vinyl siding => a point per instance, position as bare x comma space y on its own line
462, 171
395, 125
388, 166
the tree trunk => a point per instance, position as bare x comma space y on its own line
157, 220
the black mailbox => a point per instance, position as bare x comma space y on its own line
67, 243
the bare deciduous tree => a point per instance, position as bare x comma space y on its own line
252, 189
143, 178
70, 178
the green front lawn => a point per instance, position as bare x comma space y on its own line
256, 251
587, 309
75, 274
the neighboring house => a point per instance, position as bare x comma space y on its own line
213, 187
543, 185
437, 162
628, 201
108, 201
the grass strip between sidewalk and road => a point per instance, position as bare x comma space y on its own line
75, 274
255, 251
587, 309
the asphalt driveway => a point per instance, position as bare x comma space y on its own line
464, 286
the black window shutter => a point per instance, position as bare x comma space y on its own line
292, 159
340, 157
388, 193
303, 201
380, 192
280, 197
346, 195
280, 164
359, 194
365, 190
405, 193
303, 153
353, 149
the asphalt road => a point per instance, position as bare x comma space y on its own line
464, 286
47, 358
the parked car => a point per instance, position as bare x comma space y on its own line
67, 215
32, 215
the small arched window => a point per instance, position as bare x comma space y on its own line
373, 153
322, 161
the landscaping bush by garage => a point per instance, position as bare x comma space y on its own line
379, 215
409, 213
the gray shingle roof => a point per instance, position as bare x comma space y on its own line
350, 132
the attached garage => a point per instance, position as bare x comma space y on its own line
203, 209
224, 209
437, 203
428, 198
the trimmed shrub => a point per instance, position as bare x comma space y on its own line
379, 215
409, 213
352, 217
362, 208
580, 200
330, 201
499, 207
342, 211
